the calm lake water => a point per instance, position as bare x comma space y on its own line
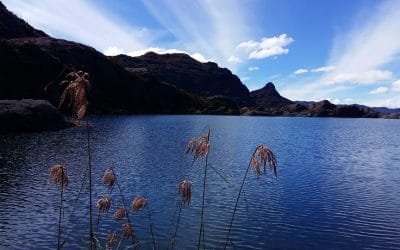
338, 183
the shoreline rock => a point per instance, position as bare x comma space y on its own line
28, 115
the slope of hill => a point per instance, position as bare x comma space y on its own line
204, 79
13, 27
32, 65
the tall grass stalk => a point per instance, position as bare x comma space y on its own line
60, 212
177, 225
151, 227
91, 240
263, 154
135, 241
201, 230
58, 176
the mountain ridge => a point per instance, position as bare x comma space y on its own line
151, 83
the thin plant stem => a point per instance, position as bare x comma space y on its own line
151, 226
177, 224
90, 186
201, 231
237, 201
61, 208
134, 239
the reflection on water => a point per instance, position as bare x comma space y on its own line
338, 183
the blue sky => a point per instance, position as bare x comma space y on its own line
343, 51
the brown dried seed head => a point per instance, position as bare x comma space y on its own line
120, 213
127, 230
109, 178
185, 189
77, 93
255, 165
138, 203
59, 176
103, 204
111, 239
192, 145
263, 154
199, 145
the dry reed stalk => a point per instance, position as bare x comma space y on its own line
103, 204
109, 178
185, 190
77, 91
120, 213
200, 147
127, 230
263, 154
78, 86
58, 175
138, 203
112, 238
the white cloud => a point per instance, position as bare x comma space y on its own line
266, 47
379, 90
253, 68
300, 71
200, 25
360, 54
316, 70
396, 86
323, 69
112, 51
392, 102
366, 77
81, 21
234, 59
348, 100
334, 100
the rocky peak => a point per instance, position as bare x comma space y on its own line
269, 97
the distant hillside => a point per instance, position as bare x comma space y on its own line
33, 64
204, 79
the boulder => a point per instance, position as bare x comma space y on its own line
29, 115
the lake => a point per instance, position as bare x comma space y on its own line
338, 182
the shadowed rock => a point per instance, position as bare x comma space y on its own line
30, 115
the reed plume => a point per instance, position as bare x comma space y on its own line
103, 204
185, 190
200, 147
59, 176
262, 154
138, 203
112, 238
78, 87
127, 230
120, 213
109, 178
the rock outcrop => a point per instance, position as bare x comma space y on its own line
30, 115
184, 72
